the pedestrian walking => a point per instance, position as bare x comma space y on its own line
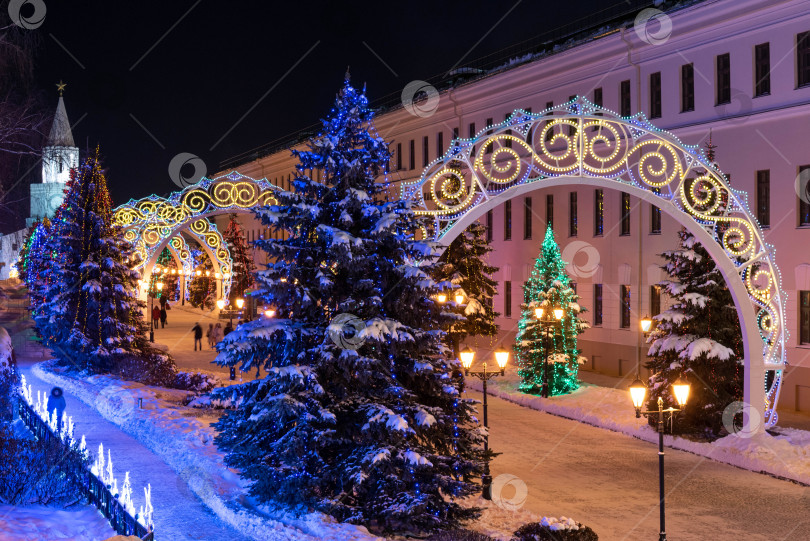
228, 328
210, 335
197, 335
56, 402
218, 335
155, 316
162, 317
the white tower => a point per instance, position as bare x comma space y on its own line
59, 156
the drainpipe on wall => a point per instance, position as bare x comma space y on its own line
640, 207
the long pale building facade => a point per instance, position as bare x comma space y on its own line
733, 72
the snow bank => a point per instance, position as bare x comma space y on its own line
783, 455
185, 443
41, 523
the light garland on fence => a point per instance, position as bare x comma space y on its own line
637, 154
101, 468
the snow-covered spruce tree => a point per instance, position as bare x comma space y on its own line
697, 336
243, 267
374, 432
34, 259
464, 267
549, 287
90, 316
170, 281
202, 288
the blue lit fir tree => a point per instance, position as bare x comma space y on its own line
243, 266
89, 314
549, 287
375, 432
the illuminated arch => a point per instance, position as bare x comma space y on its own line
581, 143
150, 223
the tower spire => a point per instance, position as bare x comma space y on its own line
61, 134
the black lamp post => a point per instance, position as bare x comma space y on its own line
638, 392
501, 357
549, 320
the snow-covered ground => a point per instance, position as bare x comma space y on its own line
40, 523
183, 438
785, 455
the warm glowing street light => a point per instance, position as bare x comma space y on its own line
646, 324
240, 303
220, 304
538, 313
270, 312
159, 286
638, 392
558, 313
467, 355
459, 297
441, 298
681, 391
501, 357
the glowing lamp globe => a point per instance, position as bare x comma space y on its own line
681, 390
501, 357
442, 298
270, 312
558, 313
220, 304
208, 273
240, 303
638, 392
646, 324
538, 313
174, 271
459, 297
159, 286
219, 276
467, 355
199, 272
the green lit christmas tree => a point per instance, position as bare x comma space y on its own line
549, 287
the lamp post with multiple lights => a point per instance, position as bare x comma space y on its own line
501, 358
638, 394
549, 320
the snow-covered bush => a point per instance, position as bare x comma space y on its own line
196, 382
33, 472
8, 377
555, 529
154, 368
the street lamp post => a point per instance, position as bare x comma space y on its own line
239, 304
501, 357
550, 321
638, 392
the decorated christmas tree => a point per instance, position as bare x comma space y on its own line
243, 267
33, 260
358, 415
90, 315
463, 267
548, 288
202, 288
169, 279
698, 337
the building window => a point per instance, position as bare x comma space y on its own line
529, 135
804, 317
490, 225
804, 200
488, 148
625, 307
597, 96
803, 59
597, 304
507, 142
550, 211
507, 298
625, 214
549, 132
399, 156
527, 217
655, 300
655, 95
413, 155
764, 197
471, 133
655, 220
687, 88
762, 69
439, 144
425, 151
598, 212
572, 129
624, 98
723, 78
572, 214
507, 220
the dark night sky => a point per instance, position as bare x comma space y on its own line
193, 85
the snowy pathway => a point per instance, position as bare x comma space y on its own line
178, 512
609, 481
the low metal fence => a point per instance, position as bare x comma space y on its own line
92, 487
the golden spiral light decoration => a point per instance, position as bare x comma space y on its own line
580, 139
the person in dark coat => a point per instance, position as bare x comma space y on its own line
155, 316
228, 328
197, 336
56, 401
162, 316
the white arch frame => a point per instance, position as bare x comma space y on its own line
581, 143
